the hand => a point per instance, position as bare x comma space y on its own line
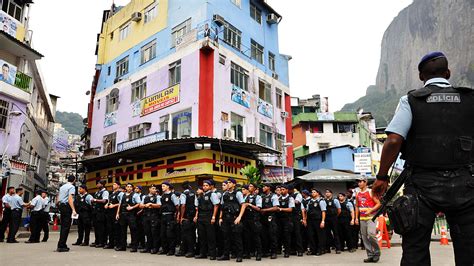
321, 225
148, 205
213, 220
117, 217
106, 206
305, 223
74, 213
220, 221
379, 188
195, 219
352, 222
129, 208
357, 221
237, 220
369, 210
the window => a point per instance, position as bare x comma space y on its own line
124, 31
13, 9
257, 51
108, 143
148, 52
136, 132
151, 13
179, 31
280, 139
305, 162
122, 67
108, 70
271, 61
138, 90
344, 128
232, 36
323, 157
182, 124
112, 101
266, 135
3, 114
164, 121
264, 91
323, 145
239, 77
222, 59
175, 73
236, 2
279, 96
256, 13
237, 125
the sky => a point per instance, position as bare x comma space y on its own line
335, 45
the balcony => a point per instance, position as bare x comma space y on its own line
23, 81
13, 92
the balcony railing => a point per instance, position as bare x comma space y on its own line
23, 81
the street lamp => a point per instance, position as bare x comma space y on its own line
283, 159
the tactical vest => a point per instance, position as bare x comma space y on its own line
167, 204
267, 203
151, 211
189, 208
345, 211
284, 203
114, 199
231, 206
331, 210
442, 130
126, 201
305, 202
98, 207
251, 214
314, 210
205, 206
81, 205
297, 209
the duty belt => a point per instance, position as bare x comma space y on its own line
167, 213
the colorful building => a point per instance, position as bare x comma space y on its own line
204, 76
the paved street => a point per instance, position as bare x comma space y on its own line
44, 254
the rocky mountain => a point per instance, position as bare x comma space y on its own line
72, 122
424, 26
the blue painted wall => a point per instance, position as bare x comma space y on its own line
338, 158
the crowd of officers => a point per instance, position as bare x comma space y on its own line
230, 223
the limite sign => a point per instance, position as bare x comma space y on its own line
362, 161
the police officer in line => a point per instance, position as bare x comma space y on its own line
99, 201
345, 222
188, 228
297, 241
332, 233
315, 222
17, 205
140, 230
36, 206
65, 201
433, 129
207, 205
268, 212
126, 215
355, 228
7, 211
83, 204
217, 228
151, 211
113, 225
250, 218
169, 216
45, 215
231, 230
304, 229
285, 218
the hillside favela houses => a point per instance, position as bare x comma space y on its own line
26, 108
187, 91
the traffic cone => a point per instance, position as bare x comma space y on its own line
382, 232
55, 225
444, 238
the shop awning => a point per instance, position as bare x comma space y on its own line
329, 175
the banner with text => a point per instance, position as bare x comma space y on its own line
160, 100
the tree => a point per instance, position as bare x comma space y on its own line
252, 173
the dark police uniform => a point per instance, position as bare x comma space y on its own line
151, 219
285, 222
169, 201
332, 232
439, 152
231, 232
297, 241
128, 219
188, 228
315, 209
140, 229
66, 212
98, 218
252, 227
35, 221
83, 206
206, 231
269, 225
112, 225
304, 229
6, 215
45, 219
344, 225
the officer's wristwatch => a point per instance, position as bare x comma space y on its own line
383, 177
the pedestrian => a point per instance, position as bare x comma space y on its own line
140, 229
433, 129
269, 234
45, 216
297, 241
126, 215
7, 212
36, 207
332, 233
205, 217
169, 217
366, 206
67, 209
151, 211
232, 232
345, 222
285, 218
101, 197
250, 217
83, 204
113, 225
188, 227
315, 222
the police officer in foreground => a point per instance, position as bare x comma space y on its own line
126, 215
65, 202
140, 230
315, 222
434, 130
332, 213
151, 211
268, 212
101, 197
83, 203
188, 228
45, 216
285, 218
169, 216
250, 217
36, 207
205, 217
345, 220
297, 241
113, 226
7, 211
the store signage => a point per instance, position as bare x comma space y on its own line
160, 100
141, 141
362, 160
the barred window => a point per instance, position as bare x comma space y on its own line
122, 67
175, 73
3, 114
136, 132
239, 76
232, 36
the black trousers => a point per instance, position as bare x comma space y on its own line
35, 226
232, 234
332, 233
140, 231
316, 235
451, 192
252, 233
297, 240
14, 224
188, 236
84, 225
345, 233
207, 236
112, 228
151, 229
99, 223
7, 215
128, 220
45, 225
168, 232
66, 221
285, 226
269, 235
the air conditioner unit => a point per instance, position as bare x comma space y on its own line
136, 16
219, 20
274, 75
251, 140
272, 19
228, 134
284, 114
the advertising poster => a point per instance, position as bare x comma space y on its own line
265, 108
7, 23
136, 108
160, 100
240, 96
110, 119
8, 73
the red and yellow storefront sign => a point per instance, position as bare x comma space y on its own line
176, 169
160, 100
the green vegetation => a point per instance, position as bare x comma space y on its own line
252, 173
72, 122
